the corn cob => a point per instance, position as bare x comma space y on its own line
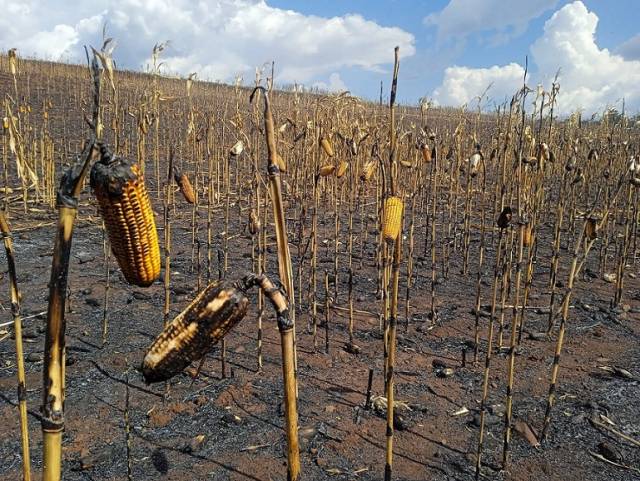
426, 153
254, 223
326, 146
406, 163
368, 170
126, 210
185, 186
392, 221
342, 168
504, 219
209, 317
326, 170
282, 165
527, 235
591, 228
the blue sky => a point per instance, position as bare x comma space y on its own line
452, 49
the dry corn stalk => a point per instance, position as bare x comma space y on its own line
392, 222
126, 210
185, 187
187, 338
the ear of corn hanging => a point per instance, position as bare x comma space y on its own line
342, 169
426, 153
185, 187
124, 205
209, 317
326, 170
368, 170
327, 147
392, 220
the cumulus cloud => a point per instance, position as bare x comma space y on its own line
505, 18
218, 39
462, 84
335, 85
591, 78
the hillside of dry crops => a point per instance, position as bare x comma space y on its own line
501, 312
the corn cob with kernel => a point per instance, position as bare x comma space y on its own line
185, 186
124, 205
392, 220
209, 317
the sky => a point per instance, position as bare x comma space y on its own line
451, 50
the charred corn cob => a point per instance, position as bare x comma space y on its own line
504, 219
326, 170
591, 228
342, 169
126, 210
392, 221
185, 186
209, 317
326, 146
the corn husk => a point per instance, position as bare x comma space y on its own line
185, 187
254, 223
326, 170
426, 153
326, 146
368, 170
237, 148
342, 169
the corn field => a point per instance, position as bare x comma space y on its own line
238, 282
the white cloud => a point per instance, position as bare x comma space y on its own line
218, 39
591, 78
507, 18
462, 84
335, 85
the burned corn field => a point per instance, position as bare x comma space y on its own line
204, 281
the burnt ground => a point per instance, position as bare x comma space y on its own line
241, 417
